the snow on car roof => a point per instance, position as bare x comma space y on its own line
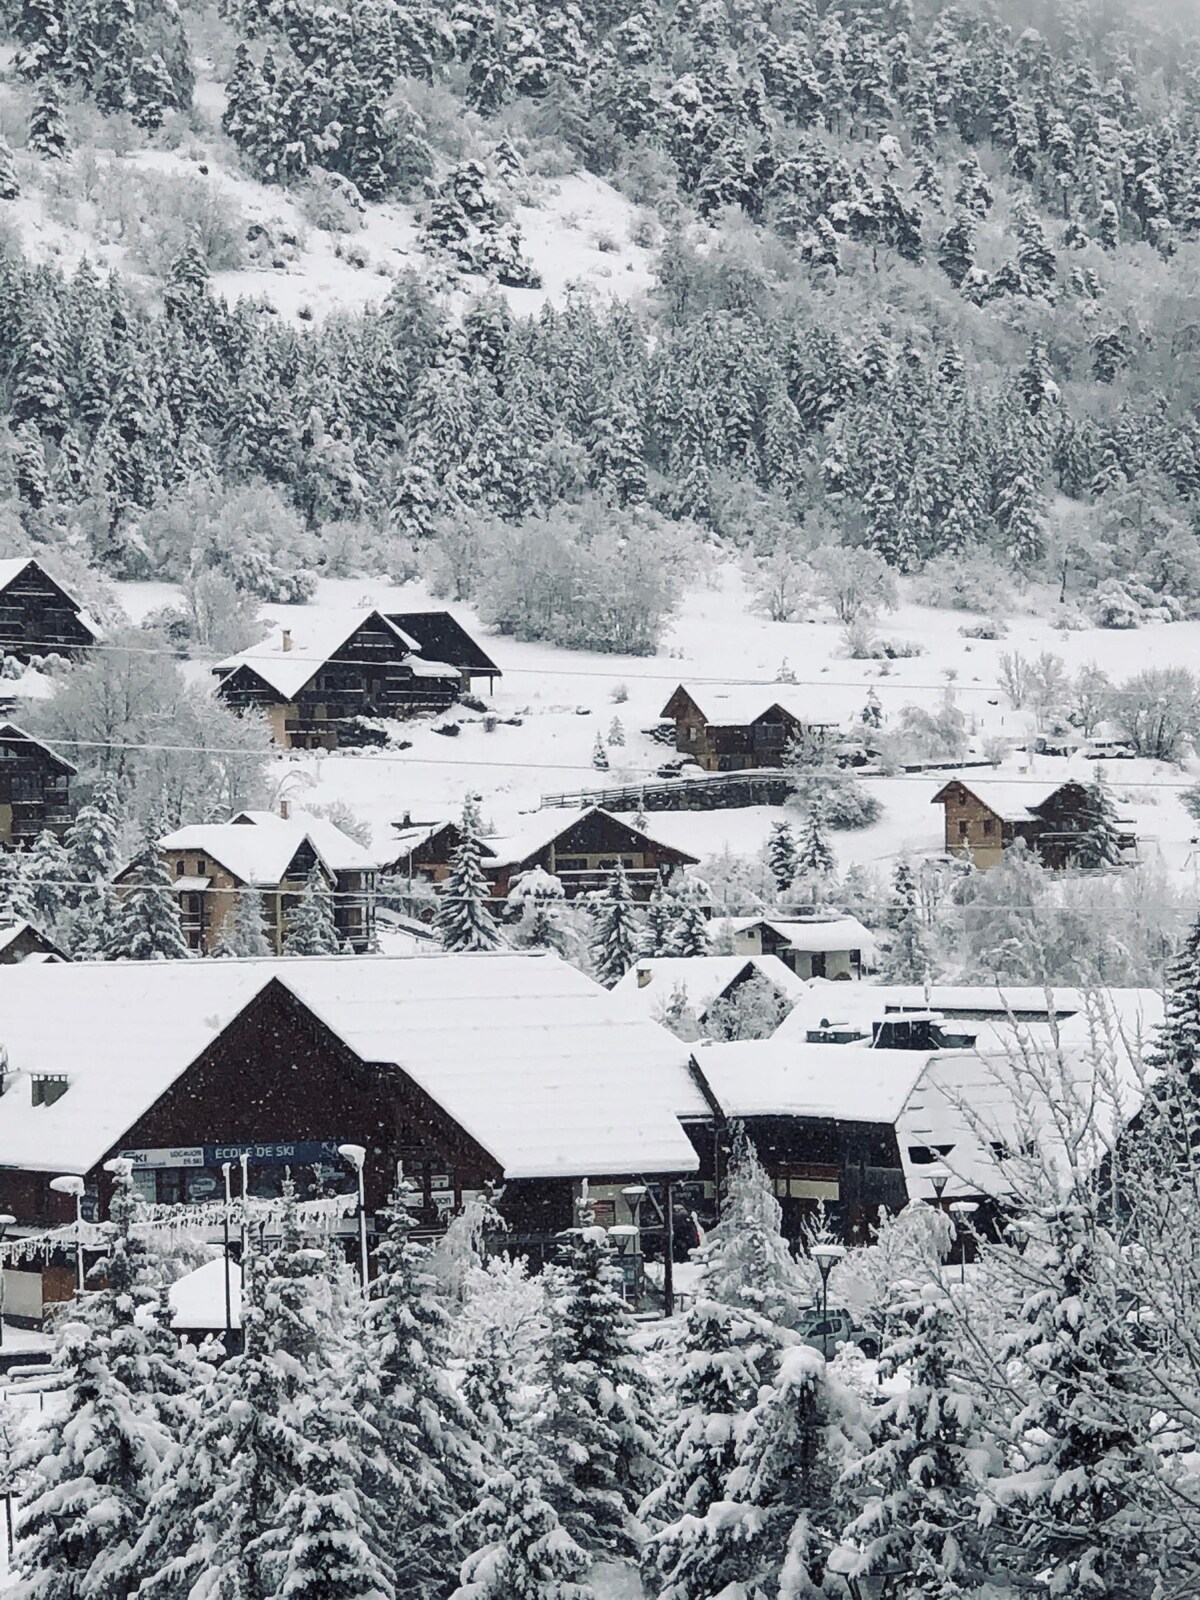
544, 1068
313, 642
776, 1077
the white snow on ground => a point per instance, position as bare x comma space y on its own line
563, 698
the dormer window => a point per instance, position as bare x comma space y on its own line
48, 1087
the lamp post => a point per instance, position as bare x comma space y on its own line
826, 1256
6, 1222
226, 1168
74, 1186
356, 1156
633, 1195
962, 1211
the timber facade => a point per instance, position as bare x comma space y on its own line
35, 789
37, 616
980, 828
720, 746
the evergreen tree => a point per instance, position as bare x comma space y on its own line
47, 126
658, 922
814, 855
782, 855
745, 1261
93, 840
926, 1467
596, 1432
907, 958
600, 755
689, 930
1167, 1132
522, 1550
309, 928
243, 933
149, 924
464, 920
616, 937
616, 733
45, 882
1100, 842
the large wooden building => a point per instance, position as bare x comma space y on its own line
37, 615
733, 729
440, 638
512, 1070
35, 788
212, 863
318, 682
580, 850
986, 817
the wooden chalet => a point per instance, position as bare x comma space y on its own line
653, 982
985, 817
579, 851
439, 637
37, 616
829, 946
213, 863
734, 729
21, 941
315, 683
34, 788
504, 1069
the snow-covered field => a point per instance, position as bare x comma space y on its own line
561, 699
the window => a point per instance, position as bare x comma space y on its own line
180, 868
693, 733
989, 825
962, 830
201, 866
571, 864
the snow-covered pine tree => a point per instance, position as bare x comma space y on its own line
46, 887
464, 920
423, 1478
599, 755
10, 188
93, 840
243, 933
616, 935
521, 1550
308, 926
907, 958
149, 924
47, 125
599, 1449
924, 1472
658, 922
814, 854
1167, 1128
1099, 844
616, 733
689, 929
744, 1260
781, 855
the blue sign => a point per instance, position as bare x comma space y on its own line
286, 1153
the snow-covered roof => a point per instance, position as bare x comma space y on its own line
813, 933
10, 733
1012, 800
546, 1070
258, 846
197, 1300
314, 642
775, 1077
652, 980
535, 832
738, 705
11, 569
863, 1003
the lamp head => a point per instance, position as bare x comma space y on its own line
355, 1154
6, 1220
68, 1185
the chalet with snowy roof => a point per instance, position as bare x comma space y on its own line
37, 615
656, 985
440, 638
212, 863
731, 729
824, 945
580, 852
506, 1069
318, 682
35, 788
21, 941
985, 817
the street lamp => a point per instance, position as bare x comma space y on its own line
6, 1222
939, 1177
226, 1168
74, 1186
826, 1256
962, 1211
356, 1156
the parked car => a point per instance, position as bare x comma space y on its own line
1107, 750
837, 1327
681, 767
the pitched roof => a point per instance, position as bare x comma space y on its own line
813, 933
10, 733
1015, 800
11, 569
313, 642
257, 846
539, 1064
542, 828
777, 1077
652, 980
440, 638
738, 705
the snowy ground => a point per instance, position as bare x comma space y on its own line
563, 698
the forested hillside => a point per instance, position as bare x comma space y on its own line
926, 282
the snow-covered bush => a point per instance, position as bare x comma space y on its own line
970, 580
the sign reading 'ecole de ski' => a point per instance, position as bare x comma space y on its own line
287, 1153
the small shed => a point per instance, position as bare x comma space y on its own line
822, 946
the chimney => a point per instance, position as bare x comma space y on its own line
287, 640
285, 809
644, 976
408, 822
